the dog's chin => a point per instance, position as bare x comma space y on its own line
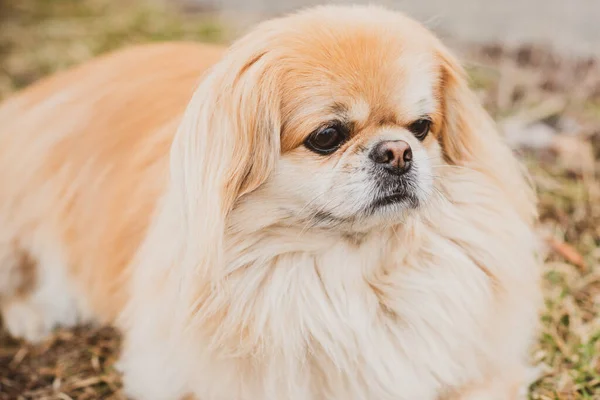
385, 210
398, 198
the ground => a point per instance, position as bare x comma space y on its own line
547, 106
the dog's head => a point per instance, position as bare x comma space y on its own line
336, 117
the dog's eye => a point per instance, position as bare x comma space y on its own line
420, 128
326, 140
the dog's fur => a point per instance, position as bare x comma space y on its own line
240, 264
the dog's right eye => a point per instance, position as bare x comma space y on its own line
326, 140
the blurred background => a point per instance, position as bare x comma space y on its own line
534, 64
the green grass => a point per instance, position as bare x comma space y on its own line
39, 37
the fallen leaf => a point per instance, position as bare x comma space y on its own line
568, 252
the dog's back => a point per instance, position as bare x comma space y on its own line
83, 159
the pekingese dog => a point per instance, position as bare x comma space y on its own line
329, 214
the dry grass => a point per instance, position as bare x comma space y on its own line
537, 91
71, 365
542, 91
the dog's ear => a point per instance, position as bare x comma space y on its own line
465, 120
470, 138
226, 146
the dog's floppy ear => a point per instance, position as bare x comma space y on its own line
226, 146
470, 136
464, 118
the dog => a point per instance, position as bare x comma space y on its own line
322, 210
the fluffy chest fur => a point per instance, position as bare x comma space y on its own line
418, 307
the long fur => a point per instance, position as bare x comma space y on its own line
179, 212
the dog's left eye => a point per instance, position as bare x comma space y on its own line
420, 128
326, 140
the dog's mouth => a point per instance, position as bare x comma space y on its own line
402, 198
389, 200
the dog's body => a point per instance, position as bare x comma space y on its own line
89, 142
204, 245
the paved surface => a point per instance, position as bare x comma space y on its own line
571, 26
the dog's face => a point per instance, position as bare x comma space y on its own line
361, 109
361, 115
337, 117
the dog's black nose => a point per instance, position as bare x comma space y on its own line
393, 155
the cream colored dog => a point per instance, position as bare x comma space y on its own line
330, 214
